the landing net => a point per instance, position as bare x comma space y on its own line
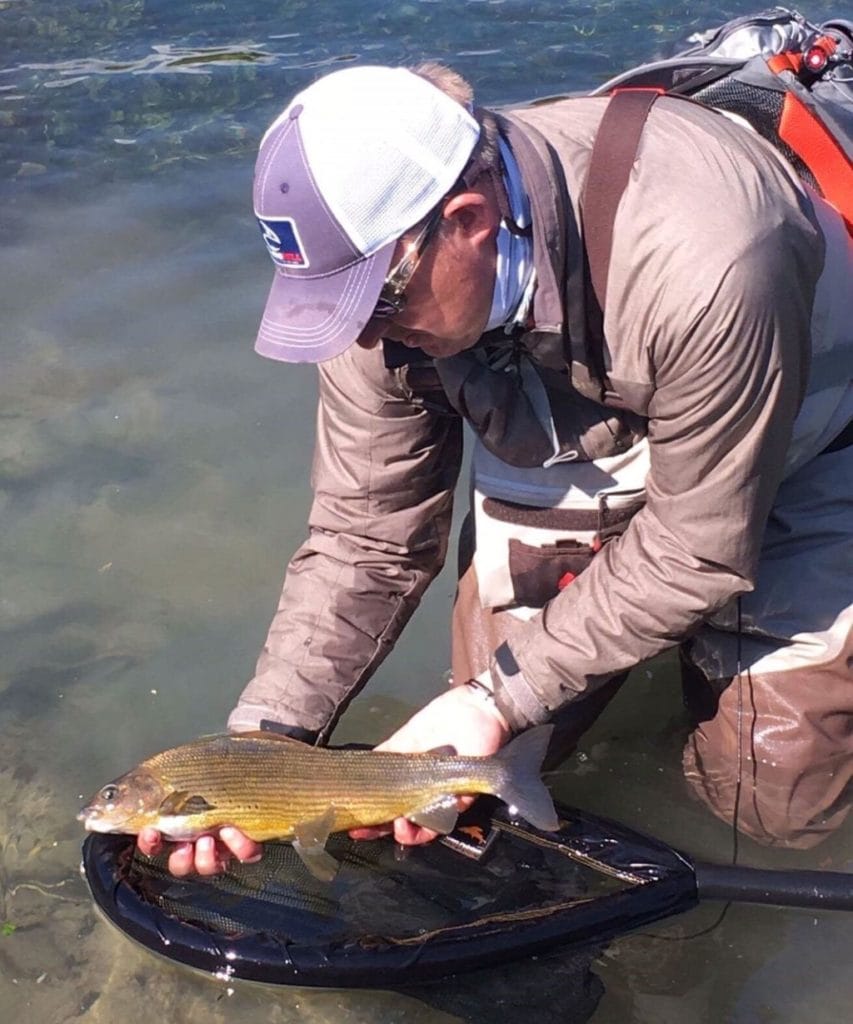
494, 891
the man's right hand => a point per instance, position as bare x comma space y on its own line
207, 855
459, 717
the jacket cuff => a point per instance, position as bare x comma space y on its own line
256, 718
515, 698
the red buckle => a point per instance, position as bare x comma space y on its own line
565, 580
816, 58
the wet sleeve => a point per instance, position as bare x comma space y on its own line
384, 472
728, 387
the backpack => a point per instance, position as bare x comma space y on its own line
790, 80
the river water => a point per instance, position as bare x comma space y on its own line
154, 481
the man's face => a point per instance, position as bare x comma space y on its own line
449, 296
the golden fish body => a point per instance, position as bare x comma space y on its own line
275, 788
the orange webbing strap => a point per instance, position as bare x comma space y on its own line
787, 61
821, 153
803, 131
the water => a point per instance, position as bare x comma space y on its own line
154, 477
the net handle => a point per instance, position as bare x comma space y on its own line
816, 890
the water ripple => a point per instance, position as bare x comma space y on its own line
168, 59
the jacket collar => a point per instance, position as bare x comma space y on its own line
548, 203
560, 333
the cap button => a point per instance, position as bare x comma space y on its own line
295, 112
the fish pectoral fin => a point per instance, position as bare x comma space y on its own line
310, 844
183, 802
439, 816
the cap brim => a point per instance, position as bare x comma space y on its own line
315, 319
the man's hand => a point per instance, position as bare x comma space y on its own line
208, 855
463, 717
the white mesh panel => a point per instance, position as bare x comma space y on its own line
384, 146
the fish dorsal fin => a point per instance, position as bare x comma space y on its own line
182, 802
310, 843
448, 750
440, 816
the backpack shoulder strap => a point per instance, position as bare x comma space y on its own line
613, 155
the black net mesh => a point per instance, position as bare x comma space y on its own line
762, 108
434, 912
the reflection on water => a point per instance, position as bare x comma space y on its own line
154, 480
165, 58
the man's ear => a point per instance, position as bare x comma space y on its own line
474, 214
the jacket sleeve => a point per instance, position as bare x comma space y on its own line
384, 471
730, 365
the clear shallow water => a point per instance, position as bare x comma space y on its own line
154, 480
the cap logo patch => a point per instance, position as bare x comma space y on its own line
283, 242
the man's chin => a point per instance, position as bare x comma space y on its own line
445, 348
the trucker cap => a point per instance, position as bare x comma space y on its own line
353, 162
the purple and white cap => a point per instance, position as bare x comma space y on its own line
354, 161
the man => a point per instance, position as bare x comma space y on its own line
431, 259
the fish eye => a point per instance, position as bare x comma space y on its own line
109, 793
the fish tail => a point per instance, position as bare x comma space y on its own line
520, 785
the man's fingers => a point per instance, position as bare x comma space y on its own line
181, 860
407, 833
246, 850
207, 855
374, 832
150, 842
404, 831
208, 860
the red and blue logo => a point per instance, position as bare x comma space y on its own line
283, 243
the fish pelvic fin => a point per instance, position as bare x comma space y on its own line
521, 786
309, 842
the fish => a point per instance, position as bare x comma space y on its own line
274, 787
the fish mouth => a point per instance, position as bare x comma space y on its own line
93, 822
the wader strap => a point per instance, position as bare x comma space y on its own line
601, 519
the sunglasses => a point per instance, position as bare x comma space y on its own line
392, 300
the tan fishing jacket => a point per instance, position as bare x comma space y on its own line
716, 259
